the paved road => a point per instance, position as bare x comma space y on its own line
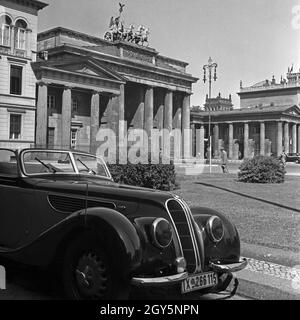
260, 280
31, 285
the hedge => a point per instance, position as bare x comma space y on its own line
154, 176
262, 170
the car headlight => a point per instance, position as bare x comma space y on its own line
215, 229
161, 233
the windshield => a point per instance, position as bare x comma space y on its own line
57, 162
91, 165
37, 162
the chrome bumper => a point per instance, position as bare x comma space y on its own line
160, 280
228, 268
173, 279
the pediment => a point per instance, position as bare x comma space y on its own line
85, 69
293, 111
88, 67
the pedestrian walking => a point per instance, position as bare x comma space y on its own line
283, 158
224, 161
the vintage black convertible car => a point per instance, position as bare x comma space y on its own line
62, 210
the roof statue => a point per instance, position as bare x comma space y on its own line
121, 7
118, 32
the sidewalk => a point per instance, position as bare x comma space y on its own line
268, 281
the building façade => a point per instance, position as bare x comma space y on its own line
267, 122
18, 43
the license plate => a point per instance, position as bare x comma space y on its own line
199, 281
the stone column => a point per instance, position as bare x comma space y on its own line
95, 105
230, 141
122, 103
279, 138
168, 110
12, 38
122, 128
168, 115
246, 138
160, 117
298, 138
177, 119
41, 116
149, 103
286, 138
200, 141
66, 117
262, 138
294, 138
193, 139
28, 36
216, 150
186, 143
148, 114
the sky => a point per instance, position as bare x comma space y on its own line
250, 40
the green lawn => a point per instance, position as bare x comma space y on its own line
257, 222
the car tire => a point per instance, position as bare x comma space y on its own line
89, 274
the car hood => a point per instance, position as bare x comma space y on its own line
97, 187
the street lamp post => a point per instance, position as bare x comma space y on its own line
209, 67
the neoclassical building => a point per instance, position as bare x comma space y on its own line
86, 83
268, 121
18, 46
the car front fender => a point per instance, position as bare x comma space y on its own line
228, 249
118, 236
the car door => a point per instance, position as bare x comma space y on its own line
14, 200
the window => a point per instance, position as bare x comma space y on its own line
21, 39
73, 138
254, 130
240, 131
51, 102
5, 23
74, 104
15, 126
20, 35
16, 80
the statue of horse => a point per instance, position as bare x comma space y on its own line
141, 36
130, 33
127, 33
138, 35
144, 38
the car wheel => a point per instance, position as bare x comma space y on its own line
88, 273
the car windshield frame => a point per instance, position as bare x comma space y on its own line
73, 163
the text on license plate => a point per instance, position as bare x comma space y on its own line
199, 281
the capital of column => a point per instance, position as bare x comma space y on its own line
42, 83
94, 92
67, 87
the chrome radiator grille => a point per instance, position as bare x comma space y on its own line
181, 218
